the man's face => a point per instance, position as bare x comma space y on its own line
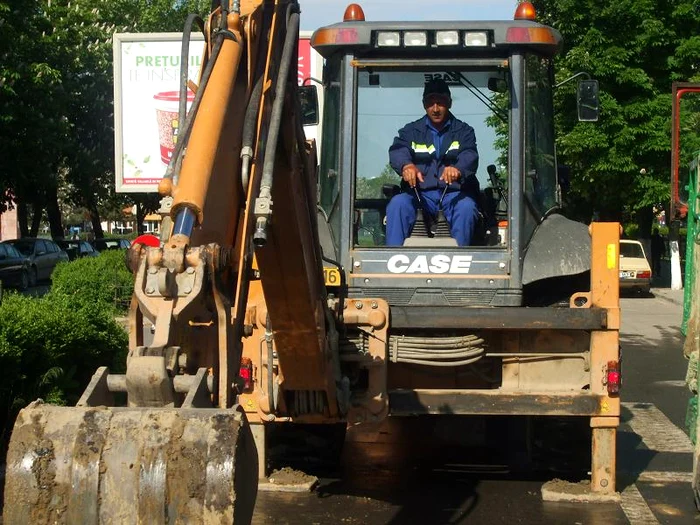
437, 107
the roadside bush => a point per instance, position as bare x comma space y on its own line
50, 347
630, 231
103, 280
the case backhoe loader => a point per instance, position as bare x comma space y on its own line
275, 299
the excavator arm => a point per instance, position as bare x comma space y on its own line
242, 183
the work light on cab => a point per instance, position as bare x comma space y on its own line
447, 38
388, 39
476, 38
415, 38
525, 11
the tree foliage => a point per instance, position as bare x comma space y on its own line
620, 165
371, 188
56, 97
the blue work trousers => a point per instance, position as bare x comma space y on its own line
460, 211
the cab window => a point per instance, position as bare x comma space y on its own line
388, 99
329, 184
540, 167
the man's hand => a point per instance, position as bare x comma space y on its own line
450, 174
410, 174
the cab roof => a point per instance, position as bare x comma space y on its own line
359, 37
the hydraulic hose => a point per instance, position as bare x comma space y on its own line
426, 351
249, 125
263, 204
184, 65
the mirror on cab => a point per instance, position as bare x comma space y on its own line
587, 101
308, 98
497, 85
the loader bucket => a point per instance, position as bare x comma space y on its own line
102, 465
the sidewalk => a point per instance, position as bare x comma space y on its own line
661, 285
674, 296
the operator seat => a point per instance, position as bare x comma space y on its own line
435, 231
427, 231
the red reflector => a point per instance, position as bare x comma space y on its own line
517, 34
613, 378
643, 275
246, 374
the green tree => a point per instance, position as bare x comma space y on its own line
56, 100
371, 188
620, 165
32, 123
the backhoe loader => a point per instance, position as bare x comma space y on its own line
276, 300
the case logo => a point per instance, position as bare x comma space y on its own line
435, 264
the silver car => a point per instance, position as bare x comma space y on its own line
43, 255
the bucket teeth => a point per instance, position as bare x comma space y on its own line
124, 465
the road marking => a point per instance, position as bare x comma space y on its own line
635, 507
664, 477
677, 383
657, 431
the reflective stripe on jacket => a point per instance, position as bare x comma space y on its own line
414, 145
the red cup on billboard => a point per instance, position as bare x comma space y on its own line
167, 112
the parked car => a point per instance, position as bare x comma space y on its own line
76, 248
635, 272
14, 267
111, 244
43, 254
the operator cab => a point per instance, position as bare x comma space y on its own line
389, 98
501, 80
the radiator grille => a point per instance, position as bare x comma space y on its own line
410, 296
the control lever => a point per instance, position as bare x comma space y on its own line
440, 215
496, 183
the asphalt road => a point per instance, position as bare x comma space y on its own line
420, 474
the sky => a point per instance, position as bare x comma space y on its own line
317, 13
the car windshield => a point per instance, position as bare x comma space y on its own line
631, 249
24, 247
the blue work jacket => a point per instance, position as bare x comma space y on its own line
415, 145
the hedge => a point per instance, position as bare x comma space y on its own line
104, 280
50, 346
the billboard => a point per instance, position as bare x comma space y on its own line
146, 99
